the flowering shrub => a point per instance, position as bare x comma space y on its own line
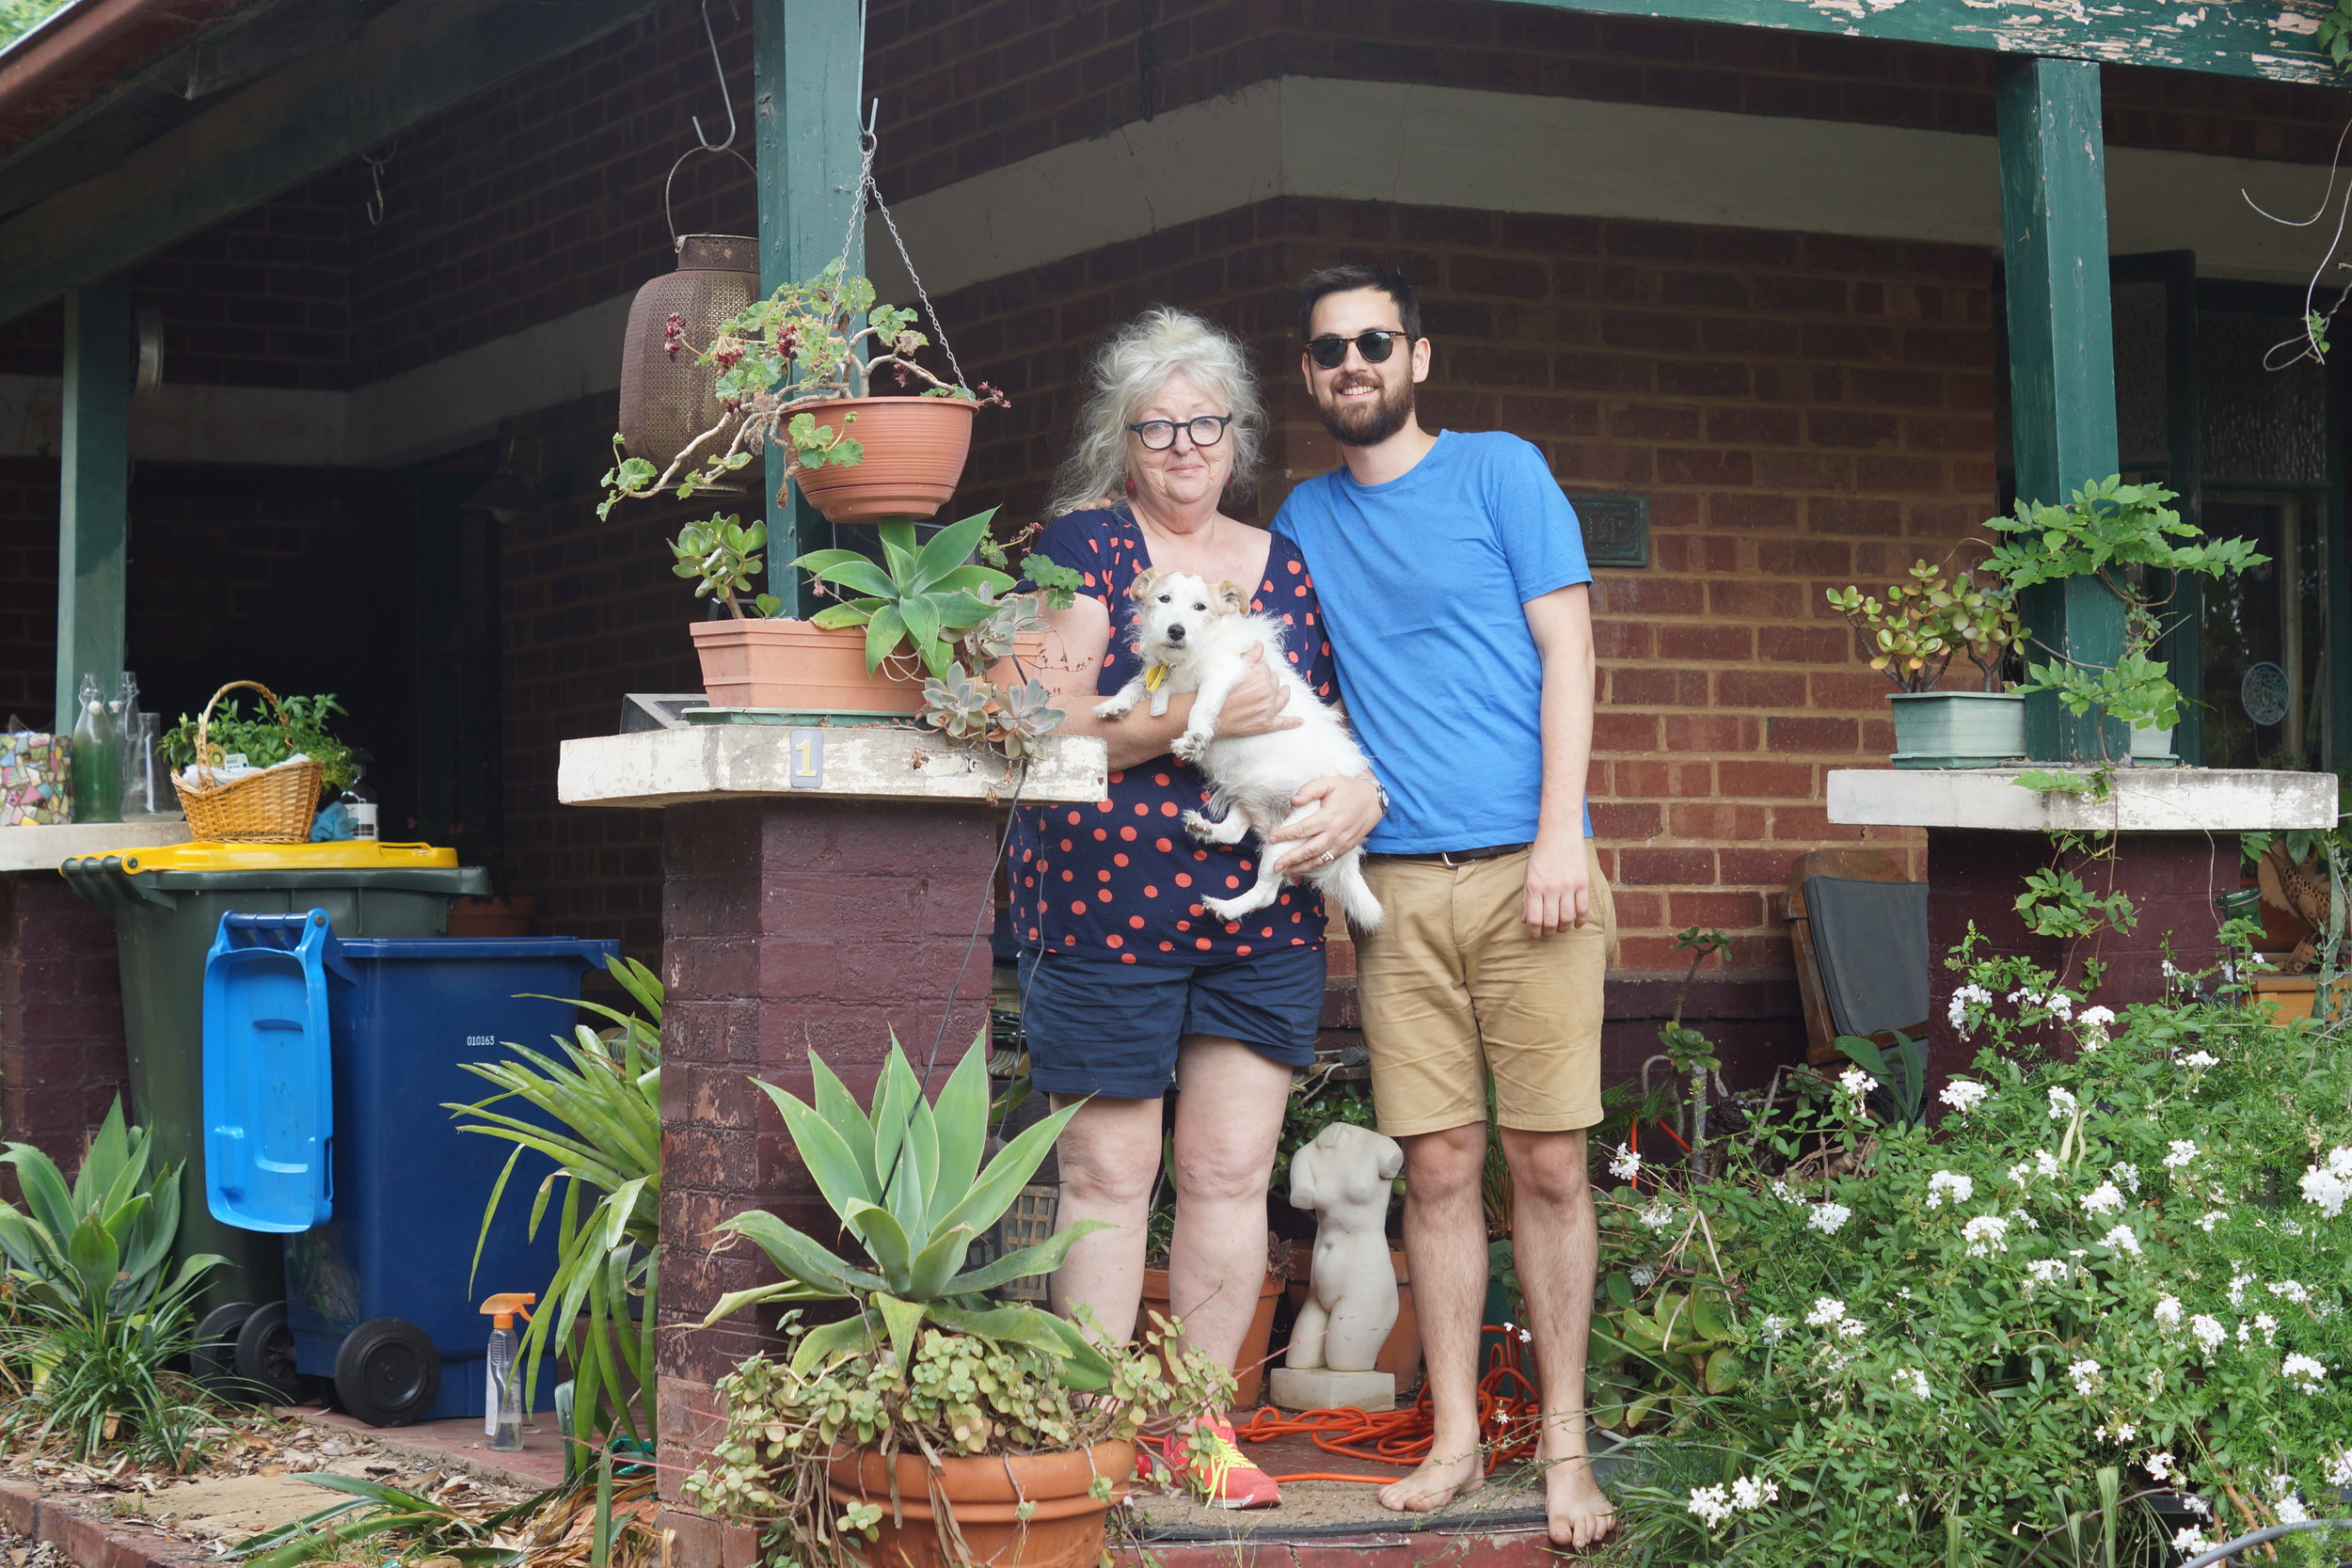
2102, 1294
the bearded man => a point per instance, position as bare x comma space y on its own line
1457, 598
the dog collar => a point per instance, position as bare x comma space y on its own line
1155, 677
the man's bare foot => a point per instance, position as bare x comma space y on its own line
1577, 1512
1437, 1482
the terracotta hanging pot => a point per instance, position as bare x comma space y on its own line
915, 451
985, 1496
666, 400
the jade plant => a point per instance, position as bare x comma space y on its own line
1925, 622
2125, 538
806, 345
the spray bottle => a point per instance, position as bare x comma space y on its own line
502, 1378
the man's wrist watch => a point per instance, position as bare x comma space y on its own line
1383, 793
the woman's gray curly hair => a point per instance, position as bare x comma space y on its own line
1128, 371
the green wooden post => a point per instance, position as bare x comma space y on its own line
94, 484
2061, 360
809, 64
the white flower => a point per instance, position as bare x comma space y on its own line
2184, 1150
2330, 1185
2047, 1270
2102, 1199
1627, 1165
1963, 1095
2207, 1331
2212, 1218
1856, 1082
2281, 1485
1657, 1213
2269, 1327
2239, 1281
1961, 998
1912, 1380
2128, 1173
1829, 1218
1775, 1328
1851, 1328
1712, 1504
2059, 1005
2188, 1540
2085, 1375
2160, 1465
2339, 1470
2046, 1163
2122, 1239
2201, 1059
2303, 1372
2122, 1432
2196, 1505
2096, 1018
1985, 1235
1754, 1491
1826, 1311
2290, 1290
1902, 1499
2062, 1104
2291, 1511
1944, 1183
2168, 1312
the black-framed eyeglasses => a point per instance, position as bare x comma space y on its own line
1206, 430
1330, 351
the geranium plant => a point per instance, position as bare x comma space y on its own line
2097, 1312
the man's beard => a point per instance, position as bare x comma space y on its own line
1368, 424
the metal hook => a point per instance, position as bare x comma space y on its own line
718, 66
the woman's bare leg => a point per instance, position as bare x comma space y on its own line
1229, 1115
1109, 1155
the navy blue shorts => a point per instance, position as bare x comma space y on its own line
1109, 1028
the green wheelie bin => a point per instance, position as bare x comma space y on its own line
167, 904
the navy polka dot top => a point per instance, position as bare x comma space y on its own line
1120, 877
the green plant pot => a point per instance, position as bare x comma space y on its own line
2152, 748
1959, 729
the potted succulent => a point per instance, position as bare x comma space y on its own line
932, 1425
1914, 636
2124, 537
798, 368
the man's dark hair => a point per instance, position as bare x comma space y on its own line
1350, 275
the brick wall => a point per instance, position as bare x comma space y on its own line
61, 1053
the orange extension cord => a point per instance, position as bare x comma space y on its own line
1509, 1404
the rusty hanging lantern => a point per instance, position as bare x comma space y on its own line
667, 401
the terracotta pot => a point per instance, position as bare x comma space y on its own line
492, 917
914, 450
1400, 1353
797, 667
984, 1495
1249, 1365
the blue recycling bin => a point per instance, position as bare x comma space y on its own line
382, 1291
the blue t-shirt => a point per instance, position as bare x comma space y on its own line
1120, 879
1423, 580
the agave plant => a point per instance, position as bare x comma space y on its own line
921, 597
606, 1099
907, 1181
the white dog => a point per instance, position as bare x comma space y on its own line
1192, 636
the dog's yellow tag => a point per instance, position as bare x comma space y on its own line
1155, 677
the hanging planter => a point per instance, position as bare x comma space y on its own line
914, 454
668, 398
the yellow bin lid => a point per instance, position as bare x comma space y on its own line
352, 855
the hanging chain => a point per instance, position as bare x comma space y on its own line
374, 205
867, 190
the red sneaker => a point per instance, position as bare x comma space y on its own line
1210, 1462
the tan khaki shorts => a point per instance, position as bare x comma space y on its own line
1452, 988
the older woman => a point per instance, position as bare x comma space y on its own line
1129, 987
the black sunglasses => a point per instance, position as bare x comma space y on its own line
1206, 430
1330, 351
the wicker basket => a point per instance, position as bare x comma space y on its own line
272, 806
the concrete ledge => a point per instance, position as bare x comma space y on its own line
673, 767
2141, 800
39, 848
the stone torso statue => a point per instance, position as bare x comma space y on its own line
1343, 1176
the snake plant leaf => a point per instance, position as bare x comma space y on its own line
884, 633
840, 1110
821, 1344
949, 548
888, 1241
1044, 1257
992, 1193
850, 569
962, 1124
825, 1151
798, 1257
903, 1318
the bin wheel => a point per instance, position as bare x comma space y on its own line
264, 1356
213, 1355
387, 1372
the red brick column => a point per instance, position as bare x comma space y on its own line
61, 1053
1976, 875
789, 926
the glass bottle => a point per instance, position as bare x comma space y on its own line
97, 759
359, 798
